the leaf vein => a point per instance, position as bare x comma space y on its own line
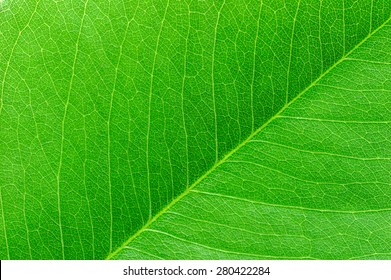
292, 207
240, 145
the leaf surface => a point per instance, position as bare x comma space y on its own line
195, 129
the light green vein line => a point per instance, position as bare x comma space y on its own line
369, 61
226, 251
321, 152
334, 121
254, 68
145, 253
3, 222
291, 176
129, 141
370, 17
150, 109
292, 207
24, 188
171, 169
132, 176
290, 54
353, 89
85, 189
225, 158
343, 27
320, 35
383, 256
237, 229
213, 81
108, 134
202, 245
258, 179
183, 98
63, 128
11, 54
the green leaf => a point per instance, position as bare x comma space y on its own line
195, 129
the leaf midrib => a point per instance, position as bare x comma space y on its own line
240, 145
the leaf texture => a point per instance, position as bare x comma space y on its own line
312, 183
195, 129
